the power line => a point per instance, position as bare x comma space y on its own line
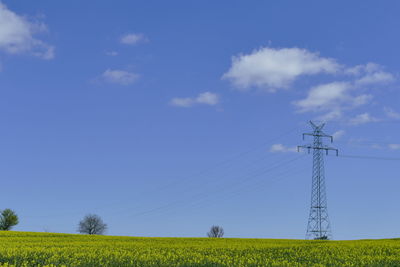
220, 183
254, 187
233, 194
368, 157
377, 121
254, 180
188, 179
202, 195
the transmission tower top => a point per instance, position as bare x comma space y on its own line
318, 133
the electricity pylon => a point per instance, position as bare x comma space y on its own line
318, 226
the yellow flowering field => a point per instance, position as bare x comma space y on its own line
46, 249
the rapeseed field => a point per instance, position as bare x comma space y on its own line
46, 249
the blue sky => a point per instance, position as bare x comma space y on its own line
166, 117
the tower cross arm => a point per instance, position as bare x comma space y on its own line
309, 147
333, 149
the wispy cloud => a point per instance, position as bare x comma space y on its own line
112, 53
369, 74
391, 113
338, 134
361, 142
206, 98
332, 98
120, 77
384, 146
282, 148
330, 115
394, 146
18, 35
133, 38
375, 78
362, 119
326, 96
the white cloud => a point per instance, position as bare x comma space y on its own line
337, 135
273, 69
336, 97
119, 77
17, 35
205, 98
362, 119
281, 148
182, 102
394, 146
391, 113
133, 38
349, 87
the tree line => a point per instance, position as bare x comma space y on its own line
91, 224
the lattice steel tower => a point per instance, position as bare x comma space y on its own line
318, 222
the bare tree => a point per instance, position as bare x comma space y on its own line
216, 231
8, 219
92, 224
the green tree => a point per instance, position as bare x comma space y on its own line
8, 219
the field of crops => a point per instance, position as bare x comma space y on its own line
45, 249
